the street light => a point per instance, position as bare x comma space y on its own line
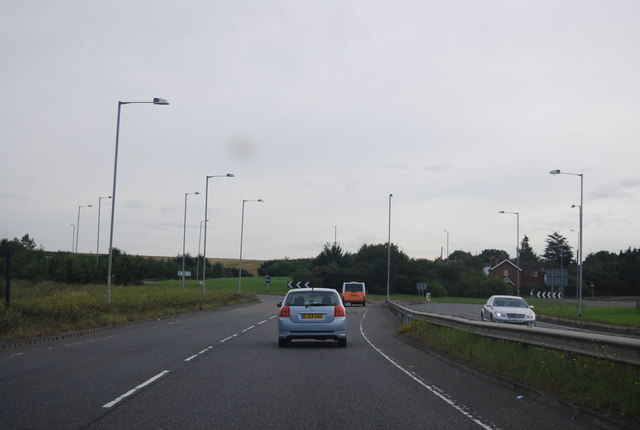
206, 200
578, 247
98, 239
517, 214
577, 257
389, 248
199, 243
78, 225
73, 237
241, 234
447, 231
184, 231
579, 292
156, 101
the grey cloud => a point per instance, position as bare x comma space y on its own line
135, 204
616, 190
437, 168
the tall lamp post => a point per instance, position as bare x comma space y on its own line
78, 224
579, 252
156, 101
206, 201
577, 258
447, 231
389, 248
73, 238
199, 244
184, 231
517, 214
241, 235
578, 248
98, 239
579, 292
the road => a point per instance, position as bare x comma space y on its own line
223, 369
472, 312
463, 310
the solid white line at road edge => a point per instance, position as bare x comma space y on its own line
139, 387
432, 389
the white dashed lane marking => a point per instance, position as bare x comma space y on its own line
139, 387
188, 359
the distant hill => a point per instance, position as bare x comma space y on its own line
250, 266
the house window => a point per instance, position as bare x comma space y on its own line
505, 273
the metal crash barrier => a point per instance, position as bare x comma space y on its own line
615, 348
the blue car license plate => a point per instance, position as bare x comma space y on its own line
311, 316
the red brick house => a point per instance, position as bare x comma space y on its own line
531, 275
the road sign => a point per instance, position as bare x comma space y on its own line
549, 295
267, 279
422, 291
299, 284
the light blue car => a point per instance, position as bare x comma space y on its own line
312, 313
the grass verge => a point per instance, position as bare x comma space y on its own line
47, 308
608, 387
248, 284
628, 316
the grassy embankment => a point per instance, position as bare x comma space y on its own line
601, 385
608, 387
45, 308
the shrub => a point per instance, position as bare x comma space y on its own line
10, 319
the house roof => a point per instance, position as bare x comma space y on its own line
502, 262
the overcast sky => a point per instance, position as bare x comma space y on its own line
459, 108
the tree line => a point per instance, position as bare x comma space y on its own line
460, 274
30, 262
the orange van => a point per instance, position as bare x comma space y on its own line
354, 292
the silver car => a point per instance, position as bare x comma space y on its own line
508, 309
312, 313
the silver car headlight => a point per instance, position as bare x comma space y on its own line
499, 314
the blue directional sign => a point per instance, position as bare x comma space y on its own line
267, 279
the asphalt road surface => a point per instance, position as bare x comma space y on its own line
472, 312
224, 370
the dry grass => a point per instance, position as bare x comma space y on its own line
49, 308
250, 266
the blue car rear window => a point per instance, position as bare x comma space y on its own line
312, 299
